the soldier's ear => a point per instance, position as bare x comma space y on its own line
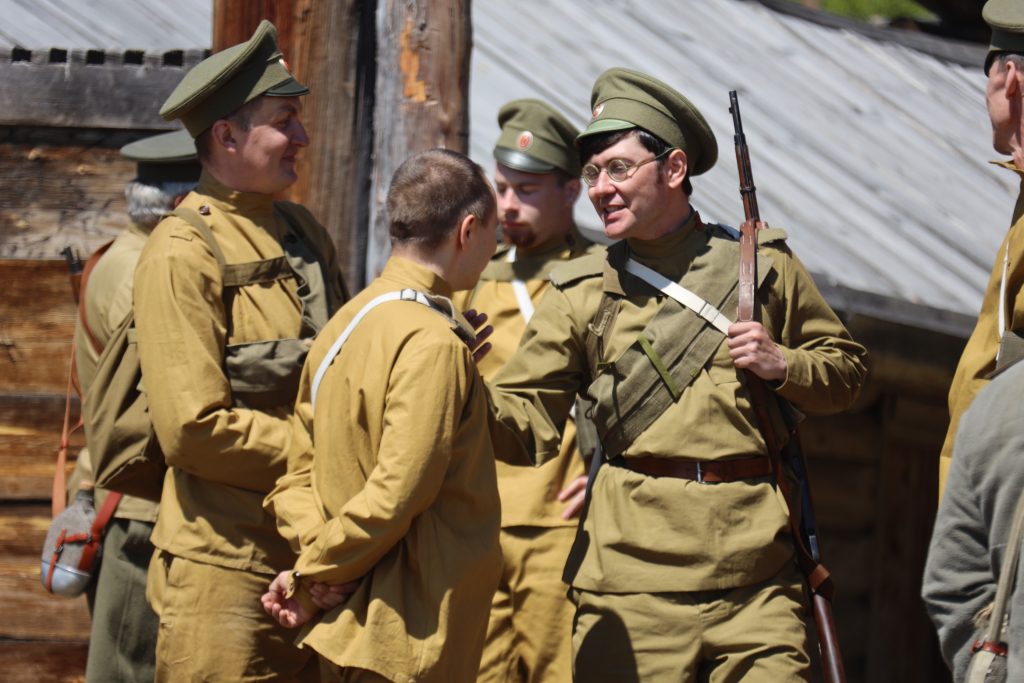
675, 167
571, 191
222, 135
465, 230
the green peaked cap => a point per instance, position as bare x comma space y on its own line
223, 82
168, 157
1006, 17
536, 139
624, 99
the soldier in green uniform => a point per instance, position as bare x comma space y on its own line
122, 639
397, 492
228, 293
537, 182
996, 340
683, 568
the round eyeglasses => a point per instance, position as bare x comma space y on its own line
619, 170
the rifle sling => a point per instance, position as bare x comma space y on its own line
818, 577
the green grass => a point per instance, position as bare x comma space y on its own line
868, 9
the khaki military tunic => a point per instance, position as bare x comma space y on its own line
223, 457
650, 534
402, 470
979, 357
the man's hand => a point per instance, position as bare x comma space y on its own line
480, 346
751, 348
575, 493
329, 595
288, 612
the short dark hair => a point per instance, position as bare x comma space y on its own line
432, 192
595, 144
241, 117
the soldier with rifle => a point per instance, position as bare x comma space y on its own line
683, 567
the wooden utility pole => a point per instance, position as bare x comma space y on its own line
422, 95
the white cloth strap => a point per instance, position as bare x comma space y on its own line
1002, 297
402, 295
522, 294
680, 294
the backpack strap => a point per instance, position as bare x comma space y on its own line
58, 494
401, 295
196, 221
86, 272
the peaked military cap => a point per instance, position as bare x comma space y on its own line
168, 157
536, 139
223, 82
1006, 17
624, 99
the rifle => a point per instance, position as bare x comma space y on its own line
75, 268
805, 536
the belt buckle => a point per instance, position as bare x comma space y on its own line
700, 473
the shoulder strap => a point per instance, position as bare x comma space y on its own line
681, 294
86, 272
196, 221
332, 353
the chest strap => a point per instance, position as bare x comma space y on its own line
681, 294
402, 295
519, 287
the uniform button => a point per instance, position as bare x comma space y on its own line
204, 210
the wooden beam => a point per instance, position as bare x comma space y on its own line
49, 91
422, 96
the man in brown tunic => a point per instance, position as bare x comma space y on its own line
683, 567
397, 492
228, 292
996, 340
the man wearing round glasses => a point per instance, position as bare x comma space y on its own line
683, 567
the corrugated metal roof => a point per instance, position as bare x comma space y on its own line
871, 155
150, 25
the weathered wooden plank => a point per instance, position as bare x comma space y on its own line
421, 96
40, 616
74, 93
34, 662
30, 429
61, 190
37, 314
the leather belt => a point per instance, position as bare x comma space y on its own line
705, 472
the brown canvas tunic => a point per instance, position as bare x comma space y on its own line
649, 534
223, 457
528, 494
402, 470
979, 357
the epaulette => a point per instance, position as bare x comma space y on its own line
501, 252
765, 236
588, 265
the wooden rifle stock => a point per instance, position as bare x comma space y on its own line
75, 268
805, 535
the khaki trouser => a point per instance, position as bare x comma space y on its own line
213, 627
529, 634
753, 633
122, 640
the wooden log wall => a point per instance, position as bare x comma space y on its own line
43, 638
62, 187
